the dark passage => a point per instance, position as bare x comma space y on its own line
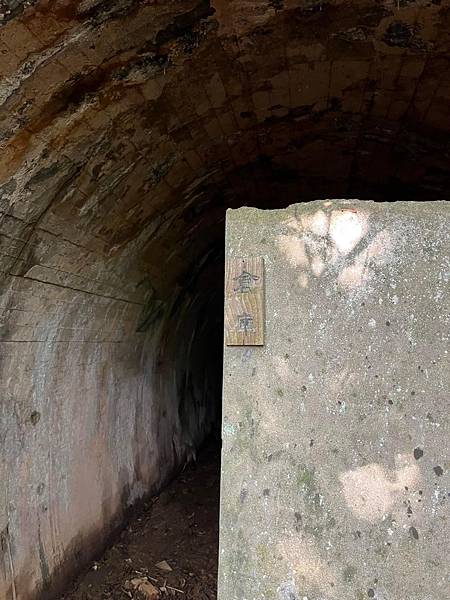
180, 526
127, 128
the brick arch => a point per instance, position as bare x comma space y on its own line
126, 130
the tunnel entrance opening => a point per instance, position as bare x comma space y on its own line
180, 527
127, 128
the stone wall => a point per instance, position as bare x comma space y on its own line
99, 408
126, 129
336, 456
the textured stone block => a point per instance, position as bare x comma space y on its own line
336, 471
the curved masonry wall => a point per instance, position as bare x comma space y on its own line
126, 130
103, 398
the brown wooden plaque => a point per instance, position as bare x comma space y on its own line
244, 301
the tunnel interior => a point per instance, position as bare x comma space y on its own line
127, 129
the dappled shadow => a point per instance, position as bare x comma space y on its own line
372, 491
335, 428
334, 242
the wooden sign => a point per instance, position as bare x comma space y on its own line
244, 301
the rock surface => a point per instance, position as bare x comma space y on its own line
333, 430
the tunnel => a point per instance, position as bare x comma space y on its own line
127, 129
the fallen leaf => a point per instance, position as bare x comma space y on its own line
163, 565
148, 590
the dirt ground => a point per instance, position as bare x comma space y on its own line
179, 527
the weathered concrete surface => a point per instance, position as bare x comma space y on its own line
336, 456
126, 129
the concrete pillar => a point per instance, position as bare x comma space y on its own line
336, 451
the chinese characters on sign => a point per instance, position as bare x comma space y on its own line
244, 298
245, 281
245, 322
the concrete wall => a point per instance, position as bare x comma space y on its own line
103, 395
336, 456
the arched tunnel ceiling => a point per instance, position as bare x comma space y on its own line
132, 125
126, 129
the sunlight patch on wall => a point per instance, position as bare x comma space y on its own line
372, 491
336, 243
